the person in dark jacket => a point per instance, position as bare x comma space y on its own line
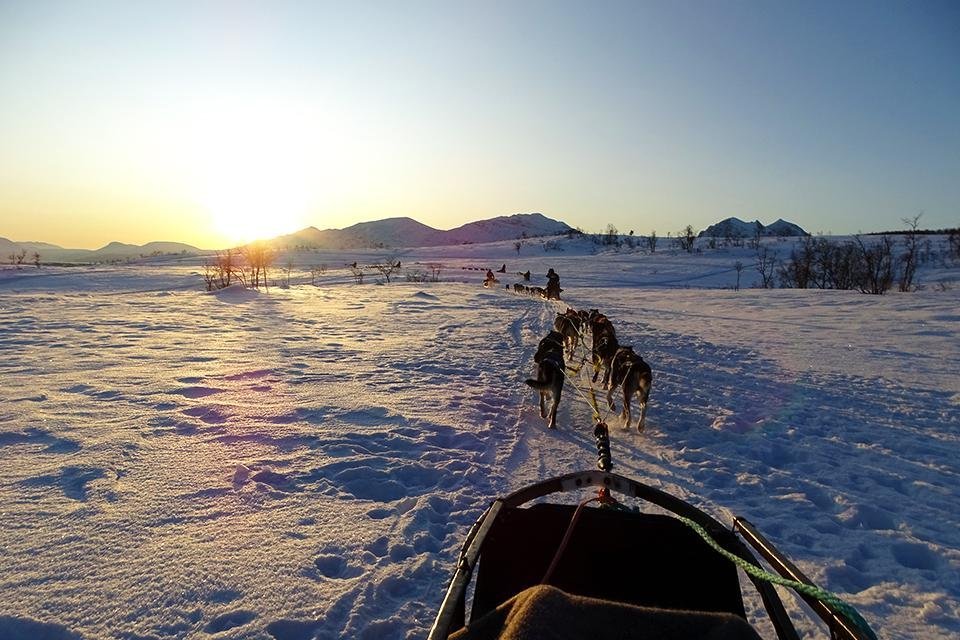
553, 285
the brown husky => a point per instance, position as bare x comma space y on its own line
605, 345
568, 323
630, 370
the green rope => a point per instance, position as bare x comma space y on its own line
813, 591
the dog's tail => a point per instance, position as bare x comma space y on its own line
537, 384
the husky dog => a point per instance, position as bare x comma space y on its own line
550, 374
553, 340
595, 320
568, 323
605, 345
630, 370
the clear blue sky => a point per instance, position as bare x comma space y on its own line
213, 121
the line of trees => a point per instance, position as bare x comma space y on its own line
873, 266
18, 258
248, 265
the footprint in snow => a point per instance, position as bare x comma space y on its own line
867, 517
208, 415
32, 435
293, 629
247, 375
73, 481
272, 478
198, 392
16, 627
915, 556
230, 620
335, 566
379, 547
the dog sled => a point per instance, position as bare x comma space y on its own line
533, 568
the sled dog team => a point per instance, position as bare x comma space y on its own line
621, 366
539, 292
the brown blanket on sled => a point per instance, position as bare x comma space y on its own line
545, 612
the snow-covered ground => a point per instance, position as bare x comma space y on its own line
305, 461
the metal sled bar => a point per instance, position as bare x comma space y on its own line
839, 626
451, 614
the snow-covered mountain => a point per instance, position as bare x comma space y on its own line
520, 225
407, 232
736, 228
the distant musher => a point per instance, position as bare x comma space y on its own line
553, 285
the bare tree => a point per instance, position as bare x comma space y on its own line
766, 263
738, 267
387, 268
652, 241
908, 261
686, 239
223, 270
316, 271
259, 257
799, 271
285, 271
518, 245
840, 265
611, 235
36, 259
434, 271
953, 240
876, 266
357, 272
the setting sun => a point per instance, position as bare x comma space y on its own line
250, 167
247, 201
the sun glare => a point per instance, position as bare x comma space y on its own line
253, 171
249, 200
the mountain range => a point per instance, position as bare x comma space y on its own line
407, 232
388, 233
115, 251
736, 228
379, 234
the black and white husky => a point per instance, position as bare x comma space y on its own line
550, 373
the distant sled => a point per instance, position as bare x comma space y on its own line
568, 571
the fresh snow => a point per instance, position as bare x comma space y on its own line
305, 462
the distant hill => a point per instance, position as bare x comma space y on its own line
528, 225
115, 251
736, 228
407, 232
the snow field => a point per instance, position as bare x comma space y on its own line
305, 462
